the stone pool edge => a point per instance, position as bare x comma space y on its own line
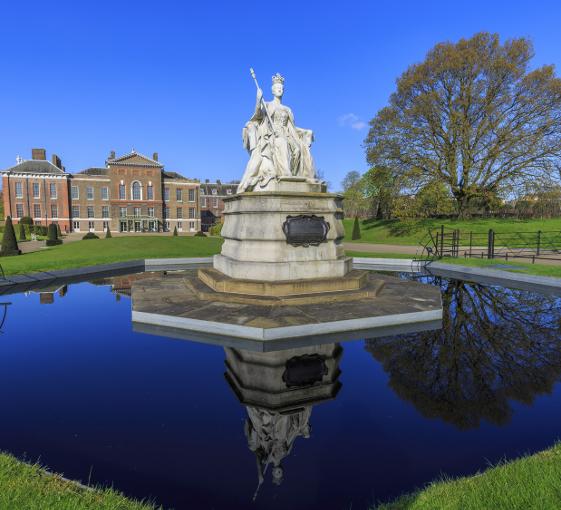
21, 282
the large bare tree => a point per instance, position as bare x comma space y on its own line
472, 116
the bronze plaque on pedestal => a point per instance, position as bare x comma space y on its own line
305, 230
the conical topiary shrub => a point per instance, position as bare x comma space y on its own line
174, 231
9, 242
356, 229
22, 236
52, 236
108, 232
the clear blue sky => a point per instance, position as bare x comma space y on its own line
82, 78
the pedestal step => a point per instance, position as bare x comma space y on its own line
220, 282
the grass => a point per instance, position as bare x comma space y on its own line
105, 251
412, 232
30, 487
529, 482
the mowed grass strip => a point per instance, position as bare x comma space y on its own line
105, 251
29, 487
532, 482
412, 232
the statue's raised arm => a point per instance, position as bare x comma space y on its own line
277, 148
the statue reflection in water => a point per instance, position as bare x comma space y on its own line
279, 390
496, 345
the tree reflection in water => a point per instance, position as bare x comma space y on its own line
496, 344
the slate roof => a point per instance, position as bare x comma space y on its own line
35, 166
93, 171
220, 187
175, 175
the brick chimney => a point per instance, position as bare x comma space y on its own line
55, 160
39, 154
112, 155
155, 156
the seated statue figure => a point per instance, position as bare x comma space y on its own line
277, 148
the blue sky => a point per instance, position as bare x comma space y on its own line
83, 78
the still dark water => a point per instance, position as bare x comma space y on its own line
156, 417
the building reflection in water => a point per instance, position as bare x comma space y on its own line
47, 294
279, 390
496, 345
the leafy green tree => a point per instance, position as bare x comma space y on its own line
473, 116
22, 236
356, 229
9, 242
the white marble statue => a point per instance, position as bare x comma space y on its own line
277, 148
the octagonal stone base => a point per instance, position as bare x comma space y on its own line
182, 304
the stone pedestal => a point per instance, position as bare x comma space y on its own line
257, 248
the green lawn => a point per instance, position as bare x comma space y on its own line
532, 482
412, 232
29, 487
105, 251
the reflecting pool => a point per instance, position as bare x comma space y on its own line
333, 425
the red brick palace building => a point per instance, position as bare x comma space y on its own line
131, 193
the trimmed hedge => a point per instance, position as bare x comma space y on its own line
200, 233
9, 242
52, 235
90, 235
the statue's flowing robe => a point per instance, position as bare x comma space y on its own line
273, 155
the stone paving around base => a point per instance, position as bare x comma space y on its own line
171, 301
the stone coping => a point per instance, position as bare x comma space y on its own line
19, 283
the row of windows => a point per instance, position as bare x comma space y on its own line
90, 193
136, 192
37, 211
90, 211
36, 190
214, 202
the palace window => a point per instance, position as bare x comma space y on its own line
122, 192
76, 225
52, 190
75, 211
228, 192
54, 211
36, 211
74, 193
150, 192
90, 211
136, 191
179, 212
105, 193
19, 210
178, 195
215, 202
166, 212
166, 194
19, 190
137, 211
192, 225
191, 212
179, 225
203, 201
89, 193
91, 226
151, 212
36, 190
105, 225
105, 211
191, 195
122, 212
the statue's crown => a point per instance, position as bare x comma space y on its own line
277, 78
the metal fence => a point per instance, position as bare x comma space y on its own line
541, 245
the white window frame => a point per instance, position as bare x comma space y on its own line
76, 226
18, 215
19, 193
105, 188
35, 216
72, 188
139, 190
105, 208
52, 186
38, 189
56, 207
88, 189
